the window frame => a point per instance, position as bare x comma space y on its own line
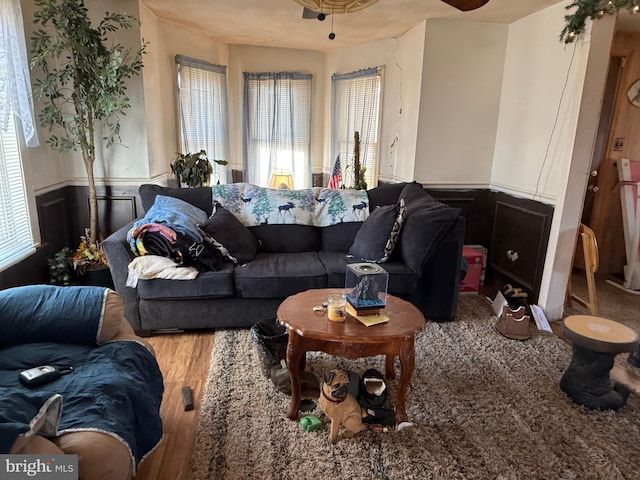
342, 141
286, 153
191, 138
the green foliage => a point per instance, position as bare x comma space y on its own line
60, 269
192, 169
592, 9
82, 80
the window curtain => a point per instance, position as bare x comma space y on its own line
203, 111
15, 83
355, 108
277, 126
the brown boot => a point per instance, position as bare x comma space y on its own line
514, 323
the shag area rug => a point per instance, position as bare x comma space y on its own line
482, 406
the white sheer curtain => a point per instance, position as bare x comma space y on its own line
202, 104
277, 126
356, 108
15, 83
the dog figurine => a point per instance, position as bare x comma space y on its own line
339, 405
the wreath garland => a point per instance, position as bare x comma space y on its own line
592, 9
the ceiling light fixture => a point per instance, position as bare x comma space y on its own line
336, 6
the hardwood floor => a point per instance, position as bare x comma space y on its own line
184, 361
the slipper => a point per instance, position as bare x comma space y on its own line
514, 324
374, 393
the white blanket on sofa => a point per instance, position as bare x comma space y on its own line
316, 206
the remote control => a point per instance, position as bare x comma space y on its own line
187, 399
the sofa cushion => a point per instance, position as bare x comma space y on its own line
228, 230
371, 242
339, 237
289, 238
278, 275
199, 197
384, 194
206, 284
402, 279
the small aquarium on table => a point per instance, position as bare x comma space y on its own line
366, 288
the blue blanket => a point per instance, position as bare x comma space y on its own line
115, 388
45, 313
176, 214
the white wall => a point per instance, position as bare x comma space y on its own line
537, 111
542, 102
570, 201
166, 41
461, 86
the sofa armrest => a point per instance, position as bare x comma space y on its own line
119, 255
437, 292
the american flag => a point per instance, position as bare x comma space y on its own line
336, 175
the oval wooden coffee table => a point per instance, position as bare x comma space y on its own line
313, 331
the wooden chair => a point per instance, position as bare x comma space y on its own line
591, 260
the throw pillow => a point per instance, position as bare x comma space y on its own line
385, 194
200, 197
372, 242
227, 230
416, 197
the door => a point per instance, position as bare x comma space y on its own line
602, 135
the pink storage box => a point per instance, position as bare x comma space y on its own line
471, 282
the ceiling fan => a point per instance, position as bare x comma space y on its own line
319, 9
466, 5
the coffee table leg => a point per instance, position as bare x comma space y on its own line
295, 355
389, 370
407, 362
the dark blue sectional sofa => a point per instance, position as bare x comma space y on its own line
424, 266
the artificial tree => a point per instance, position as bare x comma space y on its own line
83, 82
592, 9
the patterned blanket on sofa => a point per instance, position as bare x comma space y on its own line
317, 206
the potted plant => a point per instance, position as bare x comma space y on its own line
194, 169
91, 263
61, 268
83, 82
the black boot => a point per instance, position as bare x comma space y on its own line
634, 357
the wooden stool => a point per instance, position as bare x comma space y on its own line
596, 342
